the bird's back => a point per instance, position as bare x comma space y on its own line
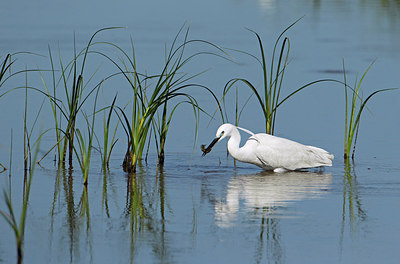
271, 152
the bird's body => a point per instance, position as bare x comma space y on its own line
271, 152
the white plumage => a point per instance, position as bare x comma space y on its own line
271, 152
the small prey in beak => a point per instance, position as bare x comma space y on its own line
208, 149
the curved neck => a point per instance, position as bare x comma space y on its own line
233, 144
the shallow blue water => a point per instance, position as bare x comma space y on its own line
204, 209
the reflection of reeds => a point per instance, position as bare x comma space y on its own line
146, 210
135, 205
270, 234
68, 185
353, 115
75, 212
352, 207
84, 206
104, 201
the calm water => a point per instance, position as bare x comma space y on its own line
207, 210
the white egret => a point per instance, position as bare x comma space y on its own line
270, 152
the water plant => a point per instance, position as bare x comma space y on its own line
5, 65
29, 167
152, 96
84, 150
269, 98
72, 80
28, 133
136, 127
18, 226
353, 99
108, 144
171, 82
3, 168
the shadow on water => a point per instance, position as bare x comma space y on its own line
263, 197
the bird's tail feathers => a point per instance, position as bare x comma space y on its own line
325, 157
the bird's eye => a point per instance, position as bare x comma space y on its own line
222, 133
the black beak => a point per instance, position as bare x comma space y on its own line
208, 149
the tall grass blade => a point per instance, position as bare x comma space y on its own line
71, 78
269, 97
18, 226
353, 117
154, 107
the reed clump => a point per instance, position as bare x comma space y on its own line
67, 106
269, 95
18, 225
354, 106
155, 98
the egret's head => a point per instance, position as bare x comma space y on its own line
222, 132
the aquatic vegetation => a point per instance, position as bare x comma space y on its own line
167, 80
3, 168
156, 97
28, 133
172, 82
29, 167
72, 80
5, 66
153, 96
11, 218
352, 113
146, 119
84, 150
143, 110
108, 145
269, 96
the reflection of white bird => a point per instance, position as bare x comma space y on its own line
251, 194
271, 152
